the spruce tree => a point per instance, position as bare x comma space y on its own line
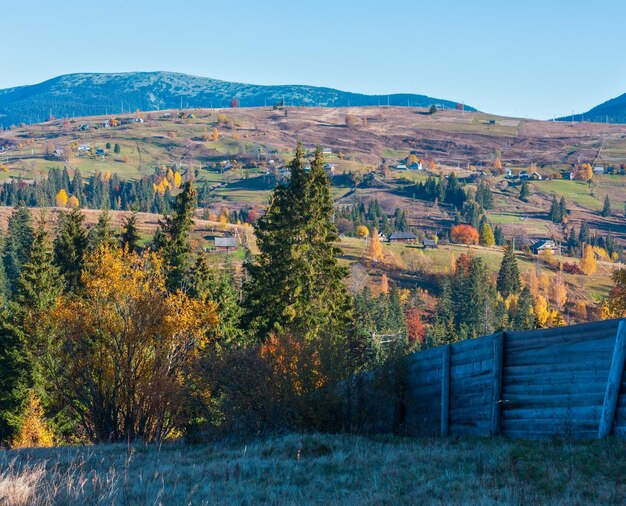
498, 235
103, 232
524, 317
17, 243
172, 236
130, 234
508, 278
487, 237
555, 215
484, 196
39, 284
524, 192
23, 335
562, 209
70, 245
583, 233
606, 209
295, 282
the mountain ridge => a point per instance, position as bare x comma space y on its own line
610, 111
88, 94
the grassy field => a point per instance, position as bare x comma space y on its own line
321, 469
573, 191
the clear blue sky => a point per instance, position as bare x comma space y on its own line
533, 58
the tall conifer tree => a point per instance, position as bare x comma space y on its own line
70, 245
295, 282
508, 278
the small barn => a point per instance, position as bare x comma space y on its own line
544, 245
402, 237
225, 244
429, 244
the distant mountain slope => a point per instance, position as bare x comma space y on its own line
611, 111
94, 94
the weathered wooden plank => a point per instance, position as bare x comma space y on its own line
445, 390
581, 328
514, 401
539, 343
589, 364
613, 383
565, 379
417, 381
470, 367
496, 391
554, 413
550, 354
471, 344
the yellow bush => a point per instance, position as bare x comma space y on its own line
34, 432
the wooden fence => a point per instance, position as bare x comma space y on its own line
534, 384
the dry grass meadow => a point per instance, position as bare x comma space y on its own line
320, 469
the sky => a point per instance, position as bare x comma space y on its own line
527, 58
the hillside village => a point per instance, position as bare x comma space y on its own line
237, 156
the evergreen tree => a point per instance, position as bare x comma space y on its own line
17, 243
39, 284
487, 237
474, 299
209, 284
524, 192
606, 209
524, 317
23, 335
102, 233
562, 209
555, 215
295, 281
498, 235
69, 247
508, 277
173, 236
583, 234
484, 196
130, 234
116, 149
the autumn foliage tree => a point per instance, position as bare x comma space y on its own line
464, 234
588, 261
617, 297
61, 198
375, 248
125, 346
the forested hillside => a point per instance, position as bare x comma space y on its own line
94, 94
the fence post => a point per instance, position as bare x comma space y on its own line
496, 401
615, 379
445, 391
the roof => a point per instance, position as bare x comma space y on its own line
226, 242
429, 242
402, 235
548, 243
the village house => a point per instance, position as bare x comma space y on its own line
402, 237
544, 245
415, 166
429, 243
401, 166
327, 151
225, 244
